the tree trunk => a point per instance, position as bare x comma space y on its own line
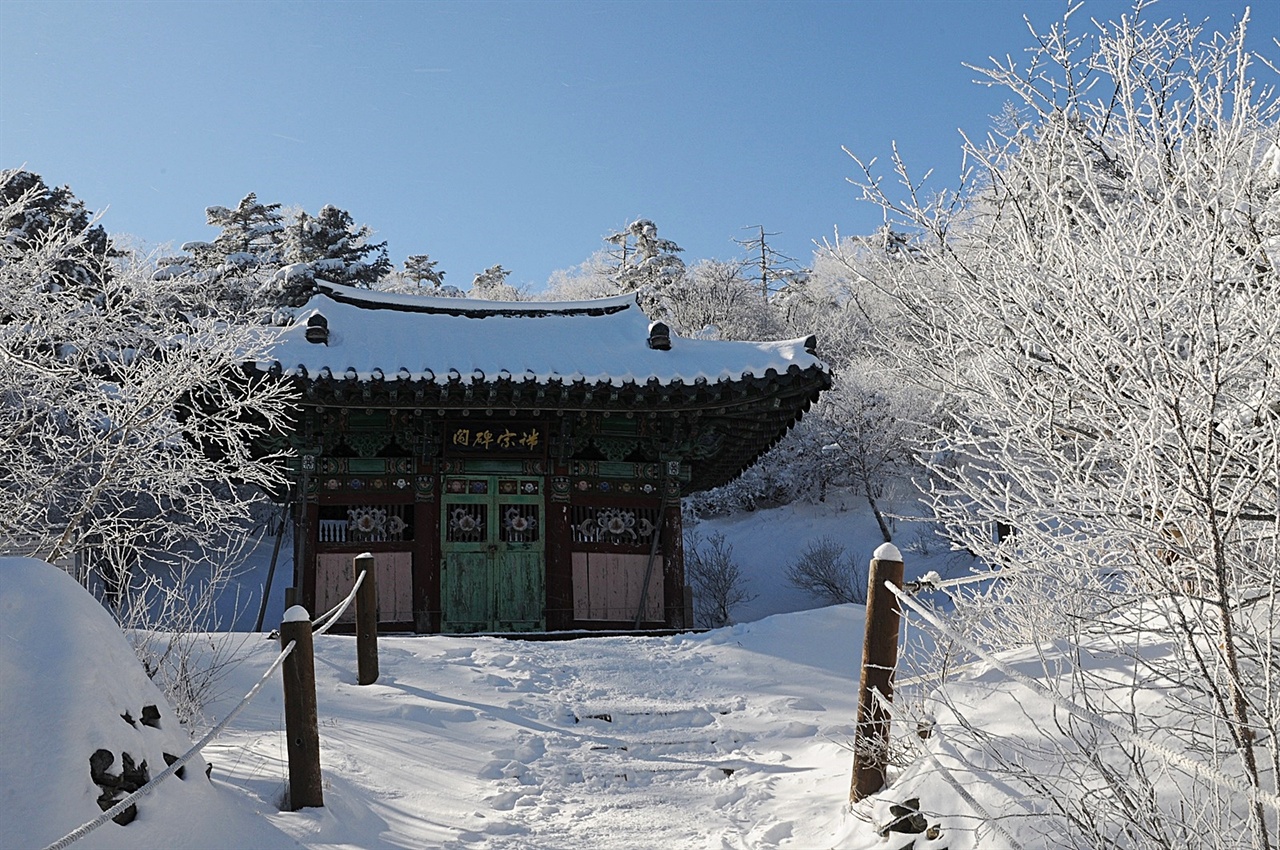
875, 509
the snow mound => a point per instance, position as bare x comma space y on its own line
72, 687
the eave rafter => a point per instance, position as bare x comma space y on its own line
750, 414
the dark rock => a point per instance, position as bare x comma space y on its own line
115, 788
98, 764
169, 759
151, 716
125, 817
907, 817
128, 718
133, 777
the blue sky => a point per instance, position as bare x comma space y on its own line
512, 133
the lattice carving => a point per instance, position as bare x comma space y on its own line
467, 523
519, 524
614, 526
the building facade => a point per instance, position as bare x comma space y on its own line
517, 466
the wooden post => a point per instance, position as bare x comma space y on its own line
367, 620
301, 726
879, 661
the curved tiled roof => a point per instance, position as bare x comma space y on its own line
382, 336
353, 347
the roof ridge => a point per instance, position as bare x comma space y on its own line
474, 308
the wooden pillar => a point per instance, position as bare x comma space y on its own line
426, 563
559, 565
302, 729
367, 620
879, 661
306, 543
673, 601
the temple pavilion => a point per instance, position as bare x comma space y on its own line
518, 466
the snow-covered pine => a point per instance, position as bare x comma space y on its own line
31, 212
328, 246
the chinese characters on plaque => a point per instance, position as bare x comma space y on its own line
507, 438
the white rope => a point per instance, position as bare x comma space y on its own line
924, 583
325, 622
1202, 770
886, 705
81, 832
969, 798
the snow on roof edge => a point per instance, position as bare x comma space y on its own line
373, 299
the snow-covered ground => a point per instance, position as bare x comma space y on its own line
735, 738
738, 737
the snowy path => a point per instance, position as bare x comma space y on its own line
734, 739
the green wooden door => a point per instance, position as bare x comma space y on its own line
492, 554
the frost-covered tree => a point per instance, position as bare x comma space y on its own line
870, 427
595, 277
771, 269
127, 427
646, 263
491, 285
33, 213
1099, 307
717, 300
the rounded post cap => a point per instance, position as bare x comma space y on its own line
296, 614
887, 552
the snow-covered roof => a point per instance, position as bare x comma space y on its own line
384, 336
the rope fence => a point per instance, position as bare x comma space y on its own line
889, 598
297, 657
1169, 756
85, 829
325, 621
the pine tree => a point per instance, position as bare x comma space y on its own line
235, 269
491, 285
335, 248
34, 214
650, 266
328, 247
421, 268
250, 236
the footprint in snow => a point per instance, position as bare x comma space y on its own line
805, 704
531, 750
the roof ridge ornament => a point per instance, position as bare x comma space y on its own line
318, 329
659, 336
